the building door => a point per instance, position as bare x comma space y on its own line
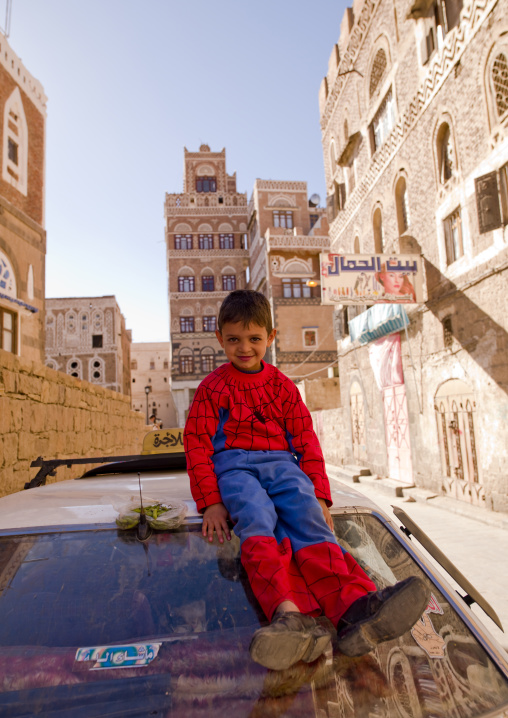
455, 408
398, 445
358, 422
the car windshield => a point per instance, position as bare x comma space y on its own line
98, 619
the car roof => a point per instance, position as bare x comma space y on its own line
98, 499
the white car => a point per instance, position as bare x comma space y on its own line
99, 621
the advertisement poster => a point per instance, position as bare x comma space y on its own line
371, 279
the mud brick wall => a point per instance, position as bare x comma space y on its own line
48, 413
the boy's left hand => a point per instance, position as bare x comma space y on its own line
326, 513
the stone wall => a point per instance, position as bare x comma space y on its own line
50, 414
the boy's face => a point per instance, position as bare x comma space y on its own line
245, 346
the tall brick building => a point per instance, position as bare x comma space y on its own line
206, 227
86, 338
286, 234
22, 234
414, 115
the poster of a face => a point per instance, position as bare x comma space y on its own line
371, 279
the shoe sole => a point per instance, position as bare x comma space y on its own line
279, 651
391, 621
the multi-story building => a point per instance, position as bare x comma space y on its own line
22, 234
86, 338
414, 117
287, 232
206, 227
151, 382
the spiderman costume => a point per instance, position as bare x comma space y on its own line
250, 444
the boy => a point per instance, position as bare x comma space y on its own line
252, 454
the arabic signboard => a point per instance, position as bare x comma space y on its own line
166, 441
371, 279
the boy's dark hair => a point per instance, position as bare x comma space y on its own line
247, 306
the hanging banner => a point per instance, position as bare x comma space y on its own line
371, 279
386, 361
378, 321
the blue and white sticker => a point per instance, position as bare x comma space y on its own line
127, 656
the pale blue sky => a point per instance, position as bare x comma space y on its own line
129, 84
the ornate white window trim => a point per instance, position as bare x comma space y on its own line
15, 143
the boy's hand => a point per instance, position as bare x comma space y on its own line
326, 513
215, 518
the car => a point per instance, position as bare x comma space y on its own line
98, 620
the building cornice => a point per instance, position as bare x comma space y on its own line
186, 296
281, 185
298, 241
211, 253
181, 336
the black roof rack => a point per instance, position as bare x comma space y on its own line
109, 465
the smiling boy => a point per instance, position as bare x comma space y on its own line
252, 455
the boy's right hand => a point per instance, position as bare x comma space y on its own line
215, 518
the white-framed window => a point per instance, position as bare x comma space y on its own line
74, 368
96, 370
454, 242
15, 143
310, 337
383, 122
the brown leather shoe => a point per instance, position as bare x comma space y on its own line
290, 637
381, 616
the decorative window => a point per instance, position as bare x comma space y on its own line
74, 368
96, 370
207, 360
313, 219
206, 184
186, 364
97, 341
402, 205
209, 324
445, 153
346, 131
183, 241
377, 227
134, 365
186, 284
207, 283
165, 365
206, 241
333, 162
453, 237
186, 324
226, 241
228, 282
500, 84
296, 288
15, 148
309, 338
8, 325
356, 245
283, 218
378, 71
383, 122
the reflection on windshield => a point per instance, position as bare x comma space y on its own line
163, 628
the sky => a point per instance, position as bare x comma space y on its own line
129, 85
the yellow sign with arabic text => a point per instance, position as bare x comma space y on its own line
165, 441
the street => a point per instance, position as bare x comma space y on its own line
477, 548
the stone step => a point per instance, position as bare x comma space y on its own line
359, 470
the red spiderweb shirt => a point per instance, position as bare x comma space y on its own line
235, 410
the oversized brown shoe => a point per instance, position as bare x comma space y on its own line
290, 637
381, 616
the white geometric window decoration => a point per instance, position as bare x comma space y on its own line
30, 282
15, 143
74, 368
500, 83
378, 70
7, 277
96, 370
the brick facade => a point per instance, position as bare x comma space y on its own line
206, 226
413, 117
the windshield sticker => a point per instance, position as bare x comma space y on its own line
425, 634
136, 654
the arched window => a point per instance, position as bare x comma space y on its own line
356, 245
186, 280
499, 76
402, 205
346, 131
15, 143
186, 361
445, 153
378, 71
377, 226
207, 360
333, 157
96, 370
